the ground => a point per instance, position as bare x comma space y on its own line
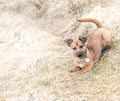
34, 60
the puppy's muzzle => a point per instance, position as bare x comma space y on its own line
79, 54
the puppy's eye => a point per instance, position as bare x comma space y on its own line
81, 46
74, 48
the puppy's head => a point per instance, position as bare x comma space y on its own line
78, 46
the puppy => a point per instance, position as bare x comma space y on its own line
87, 50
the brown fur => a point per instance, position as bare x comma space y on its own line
89, 48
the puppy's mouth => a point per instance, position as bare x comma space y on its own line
79, 54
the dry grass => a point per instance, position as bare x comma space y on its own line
34, 60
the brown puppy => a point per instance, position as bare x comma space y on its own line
87, 50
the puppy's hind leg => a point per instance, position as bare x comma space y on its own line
108, 40
110, 45
111, 48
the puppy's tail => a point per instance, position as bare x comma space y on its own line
98, 24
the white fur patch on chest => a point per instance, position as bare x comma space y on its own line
81, 65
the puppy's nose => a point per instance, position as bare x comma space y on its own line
79, 54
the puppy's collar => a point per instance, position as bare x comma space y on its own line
87, 60
89, 48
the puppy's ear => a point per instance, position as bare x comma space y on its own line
83, 39
68, 41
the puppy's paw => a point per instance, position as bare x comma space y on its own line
71, 71
110, 52
82, 72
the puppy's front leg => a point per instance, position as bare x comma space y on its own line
74, 69
87, 68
